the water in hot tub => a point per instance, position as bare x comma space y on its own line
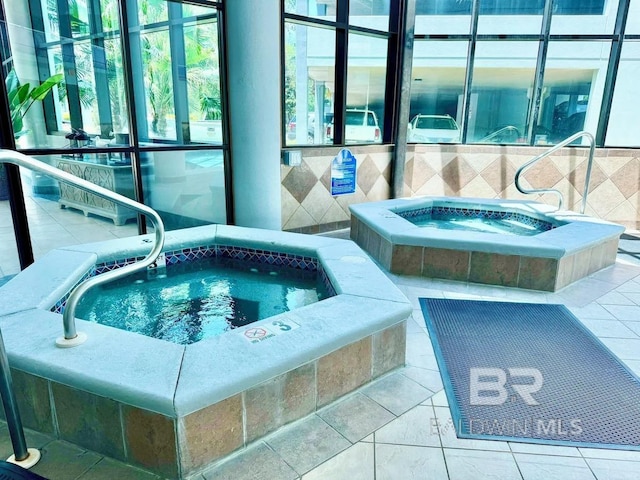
190, 301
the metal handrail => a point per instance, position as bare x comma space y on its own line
508, 128
560, 145
71, 336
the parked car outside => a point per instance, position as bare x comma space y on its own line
433, 129
361, 126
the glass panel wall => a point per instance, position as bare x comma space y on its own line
624, 128
366, 82
584, 16
179, 65
437, 91
510, 16
503, 77
86, 60
335, 71
369, 13
172, 71
185, 186
444, 17
324, 9
572, 93
518, 64
9, 261
633, 18
308, 84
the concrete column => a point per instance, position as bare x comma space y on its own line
253, 46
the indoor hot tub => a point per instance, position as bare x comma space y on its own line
500, 242
313, 319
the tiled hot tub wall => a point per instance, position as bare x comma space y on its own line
177, 409
536, 273
175, 447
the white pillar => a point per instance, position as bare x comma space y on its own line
253, 46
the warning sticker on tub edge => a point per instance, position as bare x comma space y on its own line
268, 330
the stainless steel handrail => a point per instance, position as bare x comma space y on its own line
508, 128
71, 336
560, 145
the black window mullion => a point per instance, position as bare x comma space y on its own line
69, 65
402, 103
100, 69
134, 86
471, 54
395, 56
224, 99
340, 81
612, 72
7, 140
538, 83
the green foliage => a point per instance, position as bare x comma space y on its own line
22, 98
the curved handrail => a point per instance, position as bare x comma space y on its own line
556, 147
508, 128
71, 336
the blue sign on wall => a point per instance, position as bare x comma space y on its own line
343, 173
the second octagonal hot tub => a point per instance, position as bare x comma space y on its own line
510, 243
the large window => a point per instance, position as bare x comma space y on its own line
624, 128
308, 83
526, 72
573, 85
137, 104
437, 90
336, 71
503, 77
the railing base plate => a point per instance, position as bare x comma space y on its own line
79, 339
30, 461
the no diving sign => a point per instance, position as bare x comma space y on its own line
268, 330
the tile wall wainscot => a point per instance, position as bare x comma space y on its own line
485, 171
488, 172
307, 203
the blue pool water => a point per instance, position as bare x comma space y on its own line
191, 301
487, 225
477, 220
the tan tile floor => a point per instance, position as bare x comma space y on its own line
384, 431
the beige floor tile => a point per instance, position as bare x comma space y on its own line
449, 438
404, 462
308, 443
257, 462
479, 465
427, 378
396, 393
416, 427
613, 469
542, 467
356, 416
355, 463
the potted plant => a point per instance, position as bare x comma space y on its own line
21, 99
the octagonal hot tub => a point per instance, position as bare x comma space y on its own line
177, 408
499, 242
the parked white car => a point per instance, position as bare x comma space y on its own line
361, 126
433, 129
